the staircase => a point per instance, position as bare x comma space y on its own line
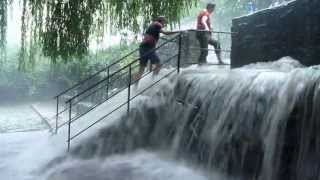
99, 88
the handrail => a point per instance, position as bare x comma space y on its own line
119, 72
98, 72
112, 64
134, 61
107, 68
92, 108
71, 120
215, 32
120, 106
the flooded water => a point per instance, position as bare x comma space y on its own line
256, 122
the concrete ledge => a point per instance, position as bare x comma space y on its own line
290, 30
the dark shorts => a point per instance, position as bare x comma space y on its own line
146, 53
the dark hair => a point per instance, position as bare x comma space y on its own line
160, 19
211, 6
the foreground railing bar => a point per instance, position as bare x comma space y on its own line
76, 135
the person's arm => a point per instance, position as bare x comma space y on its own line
169, 32
204, 22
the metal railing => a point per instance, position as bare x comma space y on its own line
104, 76
122, 73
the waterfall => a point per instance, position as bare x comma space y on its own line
256, 122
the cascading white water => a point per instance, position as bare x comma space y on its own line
255, 122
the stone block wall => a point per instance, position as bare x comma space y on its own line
289, 30
190, 49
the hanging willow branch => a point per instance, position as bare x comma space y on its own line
63, 27
3, 28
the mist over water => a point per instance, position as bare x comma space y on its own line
140, 165
255, 122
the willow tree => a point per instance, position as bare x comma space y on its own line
62, 27
3, 28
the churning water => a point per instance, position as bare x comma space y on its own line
256, 122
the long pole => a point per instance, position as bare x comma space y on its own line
69, 128
129, 87
108, 82
179, 53
57, 115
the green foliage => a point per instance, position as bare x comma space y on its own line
46, 78
3, 29
63, 28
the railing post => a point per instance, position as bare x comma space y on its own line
108, 81
179, 53
57, 115
69, 124
129, 87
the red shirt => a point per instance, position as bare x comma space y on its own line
200, 24
152, 34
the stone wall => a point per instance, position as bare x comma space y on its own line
190, 49
290, 30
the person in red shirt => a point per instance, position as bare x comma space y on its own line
149, 42
204, 35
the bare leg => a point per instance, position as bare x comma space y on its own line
217, 48
156, 69
139, 74
218, 53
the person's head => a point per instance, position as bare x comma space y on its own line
161, 19
211, 7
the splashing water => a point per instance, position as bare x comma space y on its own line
255, 122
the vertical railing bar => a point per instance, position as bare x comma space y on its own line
179, 54
57, 115
129, 87
69, 126
219, 41
108, 82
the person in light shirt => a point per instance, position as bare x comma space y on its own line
204, 35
